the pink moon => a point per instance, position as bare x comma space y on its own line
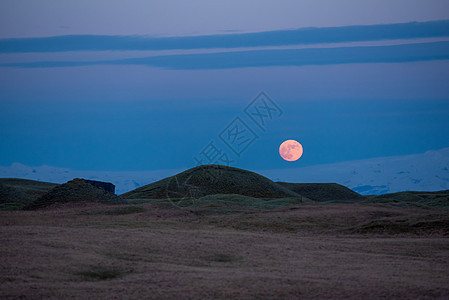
290, 150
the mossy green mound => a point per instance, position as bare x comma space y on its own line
211, 180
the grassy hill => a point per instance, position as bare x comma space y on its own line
209, 180
16, 193
438, 199
31, 187
75, 191
323, 191
207, 189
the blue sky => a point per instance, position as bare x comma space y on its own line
112, 85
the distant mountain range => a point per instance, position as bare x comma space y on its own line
428, 171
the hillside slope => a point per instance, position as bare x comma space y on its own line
31, 187
439, 199
209, 180
323, 191
75, 191
16, 193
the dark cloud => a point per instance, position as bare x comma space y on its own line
237, 40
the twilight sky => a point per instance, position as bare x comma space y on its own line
146, 85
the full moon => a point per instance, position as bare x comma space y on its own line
290, 150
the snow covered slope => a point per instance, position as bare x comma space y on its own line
428, 171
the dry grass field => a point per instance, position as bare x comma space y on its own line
160, 251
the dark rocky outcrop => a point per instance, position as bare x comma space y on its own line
107, 186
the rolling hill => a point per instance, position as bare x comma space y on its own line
75, 191
16, 193
439, 199
209, 180
323, 191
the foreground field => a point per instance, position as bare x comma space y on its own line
159, 251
